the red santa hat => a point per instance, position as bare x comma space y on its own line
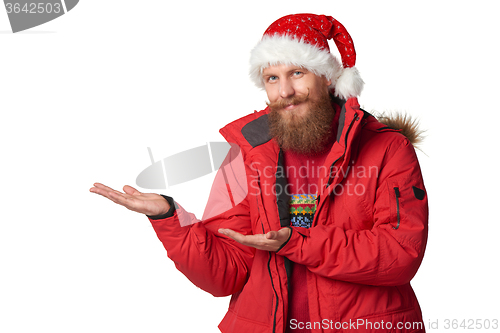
302, 40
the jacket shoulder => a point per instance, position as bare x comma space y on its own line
249, 131
376, 130
402, 123
378, 139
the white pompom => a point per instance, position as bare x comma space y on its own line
349, 84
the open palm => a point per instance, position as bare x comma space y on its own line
146, 203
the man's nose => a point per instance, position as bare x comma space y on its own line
286, 89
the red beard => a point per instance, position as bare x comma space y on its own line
307, 134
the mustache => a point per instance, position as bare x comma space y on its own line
283, 103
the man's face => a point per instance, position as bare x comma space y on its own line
286, 84
301, 112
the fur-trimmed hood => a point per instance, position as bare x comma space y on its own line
408, 125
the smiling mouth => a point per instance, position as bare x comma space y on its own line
290, 107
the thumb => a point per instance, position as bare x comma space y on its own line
272, 235
130, 190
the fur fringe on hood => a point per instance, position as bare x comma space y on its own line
409, 126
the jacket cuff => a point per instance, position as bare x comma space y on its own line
296, 239
290, 236
168, 214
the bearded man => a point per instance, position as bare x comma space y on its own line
325, 223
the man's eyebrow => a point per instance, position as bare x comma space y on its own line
293, 70
268, 73
298, 69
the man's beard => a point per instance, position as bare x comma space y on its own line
309, 133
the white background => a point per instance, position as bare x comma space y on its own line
83, 96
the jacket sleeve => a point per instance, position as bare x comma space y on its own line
387, 254
215, 264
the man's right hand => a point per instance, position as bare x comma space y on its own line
145, 203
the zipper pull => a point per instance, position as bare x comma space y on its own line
398, 195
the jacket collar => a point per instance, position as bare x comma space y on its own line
252, 130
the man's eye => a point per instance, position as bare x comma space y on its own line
272, 78
297, 73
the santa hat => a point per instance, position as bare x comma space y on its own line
302, 40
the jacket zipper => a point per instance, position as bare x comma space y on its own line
269, 268
398, 195
275, 292
330, 179
272, 283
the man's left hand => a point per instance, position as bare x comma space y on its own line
271, 241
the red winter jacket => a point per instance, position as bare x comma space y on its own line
365, 245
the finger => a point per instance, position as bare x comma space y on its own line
233, 235
225, 231
119, 198
100, 191
130, 190
105, 192
285, 233
103, 187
